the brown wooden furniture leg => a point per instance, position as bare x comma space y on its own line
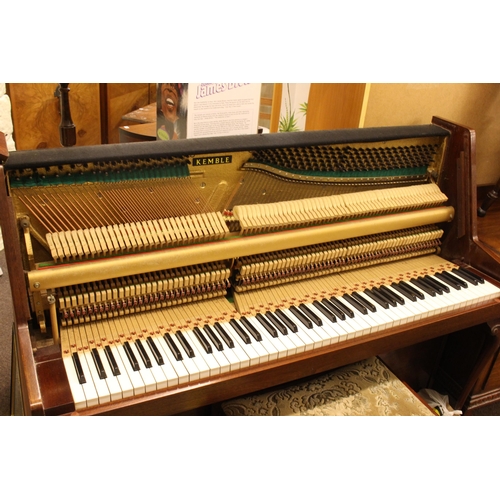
490, 198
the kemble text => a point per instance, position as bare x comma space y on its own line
212, 160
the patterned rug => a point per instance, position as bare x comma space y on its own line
367, 388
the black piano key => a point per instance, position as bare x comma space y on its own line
185, 344
239, 330
301, 317
155, 351
371, 307
213, 337
225, 337
267, 325
287, 321
383, 294
404, 291
454, 277
112, 361
173, 346
78, 368
143, 354
440, 284
379, 299
276, 323
411, 289
473, 275
98, 364
335, 310
310, 314
354, 303
467, 276
336, 302
433, 286
325, 311
451, 280
202, 340
391, 293
131, 357
423, 286
253, 332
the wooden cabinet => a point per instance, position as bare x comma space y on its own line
329, 106
96, 111
121, 98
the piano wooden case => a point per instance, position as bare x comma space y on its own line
158, 278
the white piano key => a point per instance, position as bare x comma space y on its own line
149, 374
301, 342
226, 356
318, 333
189, 364
272, 345
115, 390
439, 304
309, 338
108, 388
359, 324
257, 345
216, 360
79, 397
381, 318
171, 377
253, 356
290, 347
228, 352
331, 327
178, 366
149, 382
101, 333
99, 384
128, 326
133, 375
91, 395
207, 365
161, 381
114, 329
223, 361
236, 350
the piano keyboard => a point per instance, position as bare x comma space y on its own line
108, 362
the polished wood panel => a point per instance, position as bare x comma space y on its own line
96, 110
334, 105
488, 227
122, 98
4, 152
36, 114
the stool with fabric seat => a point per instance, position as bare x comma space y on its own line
366, 388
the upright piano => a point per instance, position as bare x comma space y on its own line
161, 277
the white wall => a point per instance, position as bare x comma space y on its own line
6, 118
7, 128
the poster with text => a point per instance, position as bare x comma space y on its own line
220, 109
171, 111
